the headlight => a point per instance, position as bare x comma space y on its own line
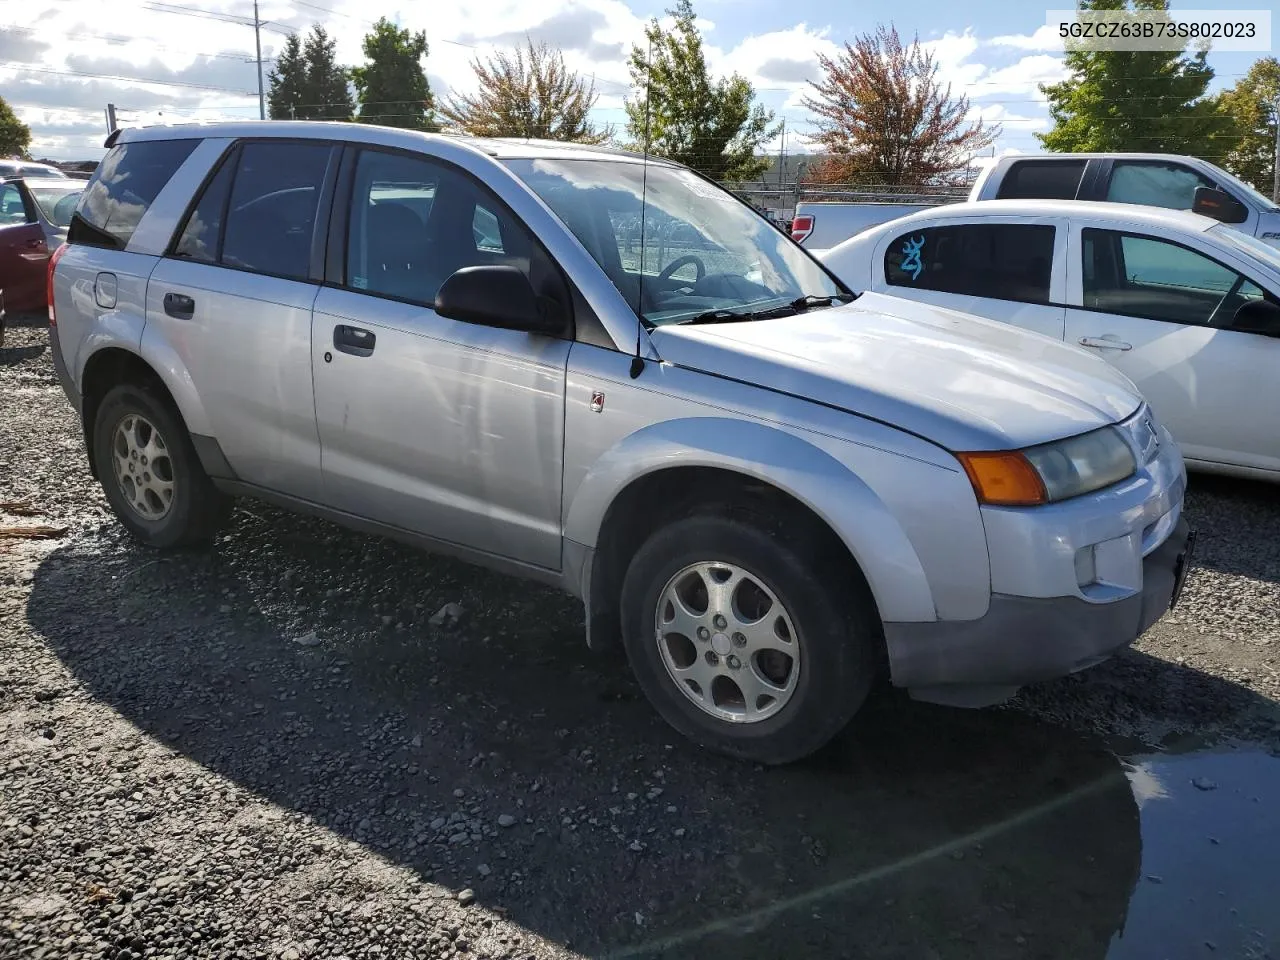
1051, 471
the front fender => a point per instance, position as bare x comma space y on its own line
783, 460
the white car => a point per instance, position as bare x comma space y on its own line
1187, 307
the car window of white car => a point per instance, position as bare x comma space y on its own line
1154, 184
1003, 271
1163, 314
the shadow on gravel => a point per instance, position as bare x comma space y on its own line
12, 356
924, 832
1237, 523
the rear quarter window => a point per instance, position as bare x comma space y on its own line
122, 189
1042, 180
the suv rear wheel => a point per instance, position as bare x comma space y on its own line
150, 472
743, 642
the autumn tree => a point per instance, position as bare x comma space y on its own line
1133, 100
884, 116
1250, 108
392, 86
679, 112
307, 83
15, 136
528, 93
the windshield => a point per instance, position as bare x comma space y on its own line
696, 251
56, 202
1260, 199
1252, 246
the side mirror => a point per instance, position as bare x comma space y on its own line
496, 296
1220, 205
1258, 316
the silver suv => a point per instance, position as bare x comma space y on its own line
612, 376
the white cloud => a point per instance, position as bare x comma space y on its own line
1045, 38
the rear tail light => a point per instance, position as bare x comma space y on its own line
48, 284
801, 227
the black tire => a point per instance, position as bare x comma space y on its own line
196, 510
827, 601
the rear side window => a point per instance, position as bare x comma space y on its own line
199, 239
272, 212
123, 188
1042, 180
1004, 261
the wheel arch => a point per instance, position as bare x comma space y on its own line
666, 470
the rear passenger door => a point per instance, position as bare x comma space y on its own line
233, 299
1006, 270
436, 426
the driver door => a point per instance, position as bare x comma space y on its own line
1162, 313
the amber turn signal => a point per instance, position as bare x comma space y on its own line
1004, 478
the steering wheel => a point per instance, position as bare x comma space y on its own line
679, 262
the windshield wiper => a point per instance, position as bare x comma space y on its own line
804, 303
720, 316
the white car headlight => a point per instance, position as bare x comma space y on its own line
1078, 465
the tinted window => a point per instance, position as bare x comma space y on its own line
199, 239
123, 188
12, 210
1005, 261
1155, 184
272, 213
1147, 277
1042, 180
415, 222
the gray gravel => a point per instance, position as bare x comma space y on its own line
293, 746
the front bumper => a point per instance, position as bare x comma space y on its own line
1026, 639
1071, 583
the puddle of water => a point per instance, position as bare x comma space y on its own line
1210, 857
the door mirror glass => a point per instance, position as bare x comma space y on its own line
1220, 205
1258, 316
497, 296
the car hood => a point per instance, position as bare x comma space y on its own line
961, 381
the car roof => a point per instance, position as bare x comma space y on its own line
499, 147
1127, 213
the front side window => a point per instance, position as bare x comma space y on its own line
122, 189
1003, 261
1152, 278
1169, 185
272, 211
12, 210
676, 246
414, 222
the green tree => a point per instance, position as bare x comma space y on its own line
15, 136
1250, 108
678, 112
392, 86
1126, 100
307, 83
529, 94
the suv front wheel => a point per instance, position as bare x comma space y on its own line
150, 473
746, 643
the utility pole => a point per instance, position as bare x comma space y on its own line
111, 118
257, 42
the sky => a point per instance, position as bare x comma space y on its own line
62, 61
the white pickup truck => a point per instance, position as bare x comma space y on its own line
820, 225
1151, 179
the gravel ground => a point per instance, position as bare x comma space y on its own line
268, 750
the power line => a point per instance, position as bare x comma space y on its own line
108, 76
180, 10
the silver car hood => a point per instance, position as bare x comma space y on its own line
961, 381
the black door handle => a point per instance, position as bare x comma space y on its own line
353, 340
179, 306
